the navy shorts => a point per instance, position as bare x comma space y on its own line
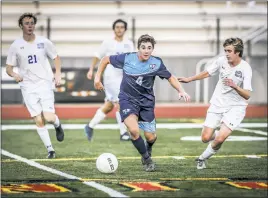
146, 117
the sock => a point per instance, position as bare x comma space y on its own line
214, 135
208, 153
121, 124
98, 117
150, 144
57, 121
44, 135
140, 146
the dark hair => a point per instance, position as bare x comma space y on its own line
27, 15
237, 43
146, 38
120, 21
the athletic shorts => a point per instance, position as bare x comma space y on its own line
39, 99
112, 88
230, 116
146, 117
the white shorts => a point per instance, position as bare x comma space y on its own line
112, 88
40, 99
231, 116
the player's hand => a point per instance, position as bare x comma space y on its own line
185, 96
229, 82
57, 77
184, 79
90, 74
97, 84
17, 77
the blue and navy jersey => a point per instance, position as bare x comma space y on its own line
138, 77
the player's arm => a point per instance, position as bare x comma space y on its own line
200, 76
57, 63
177, 85
11, 73
243, 92
103, 64
92, 67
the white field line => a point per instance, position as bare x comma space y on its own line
252, 131
115, 126
93, 184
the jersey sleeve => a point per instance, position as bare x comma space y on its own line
11, 56
214, 68
51, 49
131, 48
247, 79
102, 50
163, 72
118, 60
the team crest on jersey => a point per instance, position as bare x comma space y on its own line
40, 45
238, 74
152, 66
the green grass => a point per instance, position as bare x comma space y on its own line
27, 144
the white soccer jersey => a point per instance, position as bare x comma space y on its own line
112, 47
225, 96
32, 60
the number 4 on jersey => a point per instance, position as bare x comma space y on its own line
139, 80
32, 59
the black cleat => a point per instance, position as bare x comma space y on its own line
125, 137
59, 133
51, 154
89, 132
149, 165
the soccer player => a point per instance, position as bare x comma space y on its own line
35, 77
136, 97
229, 100
112, 78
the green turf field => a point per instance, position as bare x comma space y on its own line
227, 172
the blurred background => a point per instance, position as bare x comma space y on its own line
189, 36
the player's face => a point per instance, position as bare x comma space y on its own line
145, 51
230, 54
28, 25
119, 29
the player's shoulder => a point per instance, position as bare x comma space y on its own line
41, 39
245, 65
222, 59
156, 58
17, 42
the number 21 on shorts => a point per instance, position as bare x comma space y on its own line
32, 59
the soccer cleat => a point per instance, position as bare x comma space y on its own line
89, 132
59, 133
200, 164
149, 165
51, 154
125, 137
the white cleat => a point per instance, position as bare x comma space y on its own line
200, 164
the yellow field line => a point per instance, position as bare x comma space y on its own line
127, 158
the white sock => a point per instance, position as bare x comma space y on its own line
121, 124
57, 121
208, 153
98, 117
44, 135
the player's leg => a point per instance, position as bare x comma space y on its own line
47, 102
211, 123
124, 135
35, 109
98, 117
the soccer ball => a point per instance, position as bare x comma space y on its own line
107, 163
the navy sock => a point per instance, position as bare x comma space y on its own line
140, 146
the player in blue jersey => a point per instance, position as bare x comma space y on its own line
136, 97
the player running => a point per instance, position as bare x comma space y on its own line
229, 100
35, 77
136, 97
112, 78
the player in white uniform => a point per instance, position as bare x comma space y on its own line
35, 77
229, 100
112, 78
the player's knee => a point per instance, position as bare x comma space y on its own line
150, 137
50, 118
219, 140
39, 121
134, 132
205, 138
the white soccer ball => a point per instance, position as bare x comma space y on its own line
107, 163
